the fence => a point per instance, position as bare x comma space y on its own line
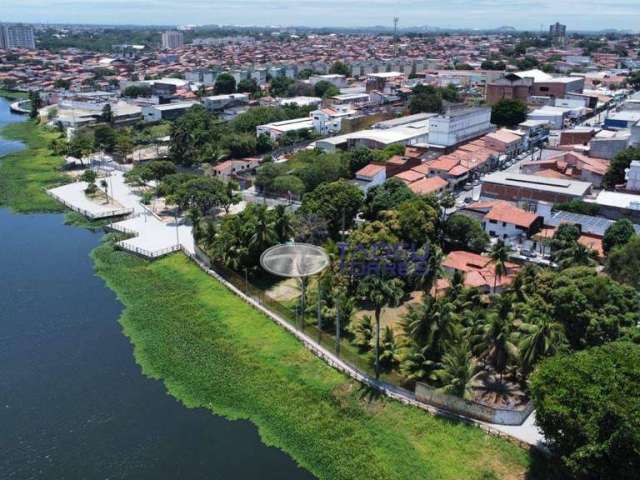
120, 212
499, 416
344, 363
346, 351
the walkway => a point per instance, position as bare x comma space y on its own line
152, 237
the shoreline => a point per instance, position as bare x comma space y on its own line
277, 430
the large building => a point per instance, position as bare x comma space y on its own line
17, 36
172, 39
516, 187
459, 125
558, 34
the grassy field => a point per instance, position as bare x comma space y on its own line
213, 351
25, 175
11, 95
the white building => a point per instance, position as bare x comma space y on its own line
458, 126
17, 36
217, 103
276, 129
172, 39
554, 116
406, 134
166, 111
633, 176
329, 120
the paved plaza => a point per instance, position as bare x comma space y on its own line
151, 236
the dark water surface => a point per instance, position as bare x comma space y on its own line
73, 403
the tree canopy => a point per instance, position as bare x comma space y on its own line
509, 112
588, 406
616, 172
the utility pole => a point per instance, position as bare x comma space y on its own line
395, 36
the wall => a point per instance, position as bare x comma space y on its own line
427, 394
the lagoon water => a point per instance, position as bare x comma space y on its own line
73, 402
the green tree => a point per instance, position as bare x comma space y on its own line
325, 89
202, 194
539, 337
107, 114
431, 103
431, 325
386, 197
124, 146
135, 91
509, 112
104, 138
588, 407
499, 255
283, 224
338, 202
35, 103
380, 293
363, 331
281, 86
617, 234
389, 351
248, 85
287, 184
623, 263
496, 341
458, 371
615, 174
340, 68
465, 233
225, 83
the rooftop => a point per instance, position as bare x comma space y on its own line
535, 182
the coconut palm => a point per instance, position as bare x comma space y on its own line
575, 255
496, 344
364, 334
282, 224
105, 187
540, 337
458, 371
390, 352
264, 234
431, 325
380, 293
429, 276
499, 255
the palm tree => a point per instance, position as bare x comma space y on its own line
431, 325
390, 356
264, 233
105, 186
540, 337
496, 342
499, 254
380, 293
283, 225
364, 334
575, 255
458, 371
433, 271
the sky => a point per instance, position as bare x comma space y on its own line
522, 14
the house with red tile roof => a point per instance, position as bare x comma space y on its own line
429, 185
370, 176
569, 165
504, 220
479, 270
